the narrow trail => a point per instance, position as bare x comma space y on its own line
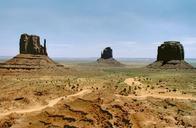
158, 96
167, 95
51, 103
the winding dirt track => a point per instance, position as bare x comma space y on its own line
51, 103
168, 95
159, 97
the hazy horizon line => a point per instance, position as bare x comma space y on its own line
62, 57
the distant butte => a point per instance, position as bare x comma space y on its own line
107, 58
107, 53
171, 56
32, 55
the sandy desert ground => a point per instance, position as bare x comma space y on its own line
86, 95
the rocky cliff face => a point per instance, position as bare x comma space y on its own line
170, 50
107, 53
170, 55
30, 44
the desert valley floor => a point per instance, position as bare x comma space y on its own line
90, 96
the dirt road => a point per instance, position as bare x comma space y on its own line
51, 103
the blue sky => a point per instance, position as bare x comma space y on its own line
82, 28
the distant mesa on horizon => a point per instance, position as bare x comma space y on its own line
170, 55
107, 58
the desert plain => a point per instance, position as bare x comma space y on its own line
85, 94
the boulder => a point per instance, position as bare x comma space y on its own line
170, 56
30, 44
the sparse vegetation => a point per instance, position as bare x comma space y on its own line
146, 96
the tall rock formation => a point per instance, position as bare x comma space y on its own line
170, 50
107, 53
107, 58
170, 55
30, 44
32, 55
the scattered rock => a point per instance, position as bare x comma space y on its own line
19, 98
68, 126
